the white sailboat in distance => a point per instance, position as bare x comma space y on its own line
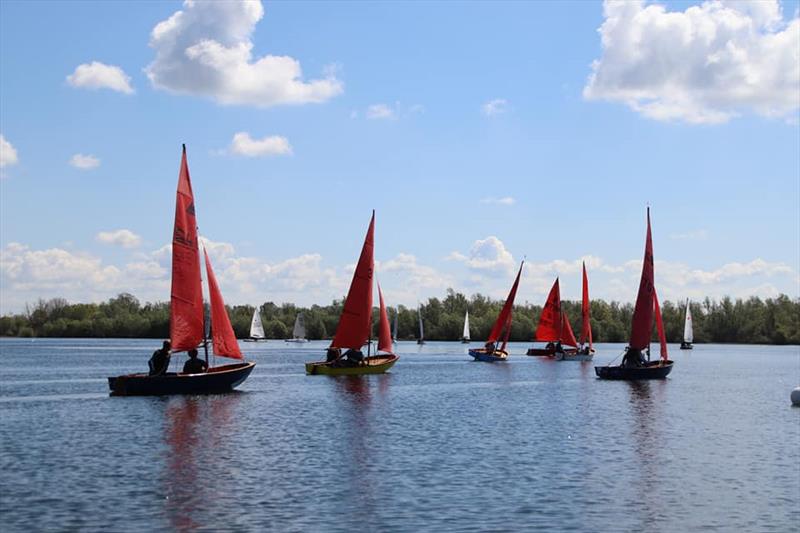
256, 328
688, 330
299, 330
465, 335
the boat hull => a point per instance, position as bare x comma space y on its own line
254, 340
652, 370
377, 364
218, 379
686, 346
573, 356
541, 352
480, 354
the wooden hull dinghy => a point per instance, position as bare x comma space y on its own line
482, 354
650, 370
491, 353
218, 379
376, 364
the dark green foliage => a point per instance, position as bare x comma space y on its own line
772, 321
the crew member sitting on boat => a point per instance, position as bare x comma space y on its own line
632, 358
194, 365
558, 347
159, 362
354, 357
333, 354
490, 347
550, 346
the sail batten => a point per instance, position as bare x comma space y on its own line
222, 336
355, 321
186, 293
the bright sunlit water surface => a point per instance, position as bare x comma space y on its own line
439, 443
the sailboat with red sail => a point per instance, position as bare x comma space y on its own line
355, 325
187, 328
554, 328
491, 353
586, 347
634, 364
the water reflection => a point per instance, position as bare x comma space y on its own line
645, 399
194, 432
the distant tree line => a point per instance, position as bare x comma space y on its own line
770, 321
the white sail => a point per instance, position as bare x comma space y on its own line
421, 329
256, 328
465, 335
394, 330
299, 331
688, 332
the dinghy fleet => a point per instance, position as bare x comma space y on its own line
189, 327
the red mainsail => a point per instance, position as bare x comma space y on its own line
549, 329
660, 327
504, 318
222, 335
586, 322
384, 332
355, 322
186, 295
642, 325
567, 336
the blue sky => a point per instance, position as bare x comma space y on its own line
477, 131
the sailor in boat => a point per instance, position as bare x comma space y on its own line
354, 357
550, 347
333, 355
490, 347
159, 362
194, 365
558, 347
633, 358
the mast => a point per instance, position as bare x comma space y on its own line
355, 321
186, 294
642, 322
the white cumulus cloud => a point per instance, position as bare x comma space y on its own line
121, 237
498, 106
96, 75
380, 111
8, 154
505, 200
206, 49
84, 162
706, 64
487, 255
245, 145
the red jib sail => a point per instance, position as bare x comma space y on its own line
567, 336
222, 336
549, 329
586, 322
384, 332
643, 312
504, 318
186, 296
355, 322
660, 327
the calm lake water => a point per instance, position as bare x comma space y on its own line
439, 443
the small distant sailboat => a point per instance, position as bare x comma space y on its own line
355, 324
688, 331
465, 335
634, 365
555, 329
299, 330
394, 329
490, 353
256, 328
586, 322
421, 339
186, 324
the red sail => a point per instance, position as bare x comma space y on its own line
549, 329
384, 332
222, 336
586, 322
186, 296
504, 318
643, 312
567, 336
356, 319
660, 327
